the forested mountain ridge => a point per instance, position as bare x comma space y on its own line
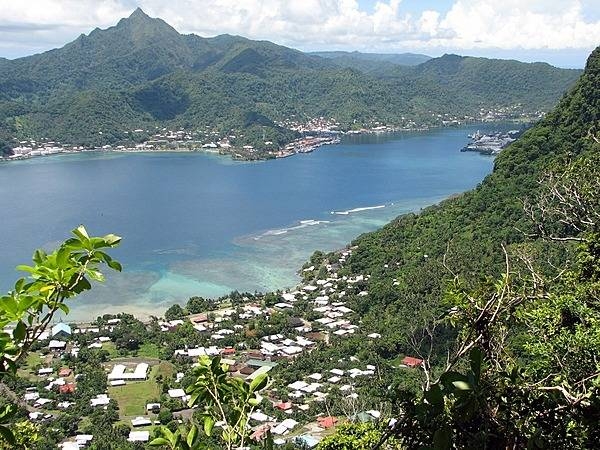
509, 269
372, 62
463, 235
142, 73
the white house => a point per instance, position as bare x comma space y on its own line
119, 372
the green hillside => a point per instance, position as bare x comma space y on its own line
142, 73
450, 256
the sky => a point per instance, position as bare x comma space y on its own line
560, 32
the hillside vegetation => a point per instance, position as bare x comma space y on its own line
497, 290
142, 73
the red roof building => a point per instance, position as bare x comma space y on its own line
327, 422
228, 351
67, 388
200, 318
64, 372
246, 370
260, 432
283, 406
412, 362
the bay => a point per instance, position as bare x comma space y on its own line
201, 224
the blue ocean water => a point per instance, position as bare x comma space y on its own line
200, 224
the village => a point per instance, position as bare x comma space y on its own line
313, 133
143, 384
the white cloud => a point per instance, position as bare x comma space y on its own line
552, 24
312, 24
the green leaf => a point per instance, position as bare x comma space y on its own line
159, 441
39, 256
9, 304
112, 239
96, 275
62, 257
115, 265
434, 395
194, 397
7, 435
193, 433
25, 268
209, 423
462, 385
259, 383
81, 233
20, 331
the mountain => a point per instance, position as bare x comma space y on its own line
410, 262
142, 73
476, 270
372, 62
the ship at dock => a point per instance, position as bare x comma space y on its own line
491, 143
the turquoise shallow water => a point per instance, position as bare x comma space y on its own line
198, 224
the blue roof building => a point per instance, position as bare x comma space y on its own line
61, 330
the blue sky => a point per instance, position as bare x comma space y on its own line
412, 6
561, 32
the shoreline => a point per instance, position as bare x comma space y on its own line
233, 153
143, 310
142, 305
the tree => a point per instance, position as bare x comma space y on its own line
174, 312
196, 305
358, 436
165, 416
225, 399
54, 278
524, 370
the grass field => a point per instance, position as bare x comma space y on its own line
133, 397
148, 350
111, 348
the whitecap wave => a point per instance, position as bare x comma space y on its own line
301, 224
355, 210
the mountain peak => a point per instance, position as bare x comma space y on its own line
141, 24
139, 14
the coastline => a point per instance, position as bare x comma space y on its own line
235, 153
274, 262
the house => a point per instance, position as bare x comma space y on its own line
327, 422
247, 370
56, 345
69, 445
31, 396
67, 388
100, 400
176, 393
141, 422
119, 372
412, 362
64, 372
307, 441
260, 432
228, 351
152, 407
138, 436
61, 330
283, 406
